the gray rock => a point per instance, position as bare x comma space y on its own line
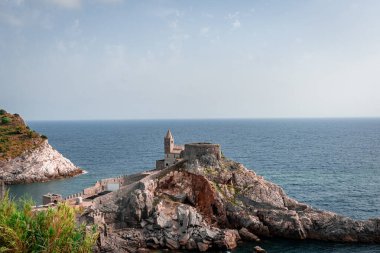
38, 165
258, 249
183, 212
215, 201
248, 236
164, 221
184, 239
191, 244
195, 219
171, 243
202, 246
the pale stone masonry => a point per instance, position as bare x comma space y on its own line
51, 198
172, 152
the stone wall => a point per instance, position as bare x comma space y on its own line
178, 147
197, 150
99, 187
51, 198
160, 164
93, 190
74, 196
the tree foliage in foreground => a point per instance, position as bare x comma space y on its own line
52, 230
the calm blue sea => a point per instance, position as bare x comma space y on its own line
331, 164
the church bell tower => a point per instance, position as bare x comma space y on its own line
168, 142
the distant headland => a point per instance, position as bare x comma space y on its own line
26, 156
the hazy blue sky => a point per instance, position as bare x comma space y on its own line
115, 59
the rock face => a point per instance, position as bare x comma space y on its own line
211, 203
41, 164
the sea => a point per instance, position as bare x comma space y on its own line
330, 164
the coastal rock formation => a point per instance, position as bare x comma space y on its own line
41, 164
208, 202
26, 156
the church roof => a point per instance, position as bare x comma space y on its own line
169, 135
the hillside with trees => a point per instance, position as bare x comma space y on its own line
16, 137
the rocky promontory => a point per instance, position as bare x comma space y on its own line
207, 202
26, 156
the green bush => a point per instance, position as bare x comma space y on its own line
2, 111
44, 137
5, 120
32, 134
23, 229
17, 130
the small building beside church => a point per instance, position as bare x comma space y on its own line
51, 198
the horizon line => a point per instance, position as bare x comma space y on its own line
198, 119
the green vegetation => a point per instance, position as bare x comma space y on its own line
229, 192
211, 171
5, 120
23, 229
15, 136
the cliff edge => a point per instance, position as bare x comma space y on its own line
26, 156
207, 202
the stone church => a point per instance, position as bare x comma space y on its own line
172, 152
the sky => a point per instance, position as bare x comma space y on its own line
124, 59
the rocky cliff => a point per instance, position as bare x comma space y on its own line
210, 203
26, 156
41, 164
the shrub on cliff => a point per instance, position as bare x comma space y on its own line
5, 120
2, 111
16, 137
32, 134
53, 230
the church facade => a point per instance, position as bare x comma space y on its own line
172, 152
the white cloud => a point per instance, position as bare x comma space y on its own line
166, 12
66, 46
10, 19
236, 24
76, 26
176, 42
19, 2
68, 4
46, 22
216, 39
76, 4
207, 15
61, 46
204, 30
110, 1
74, 29
233, 15
173, 24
